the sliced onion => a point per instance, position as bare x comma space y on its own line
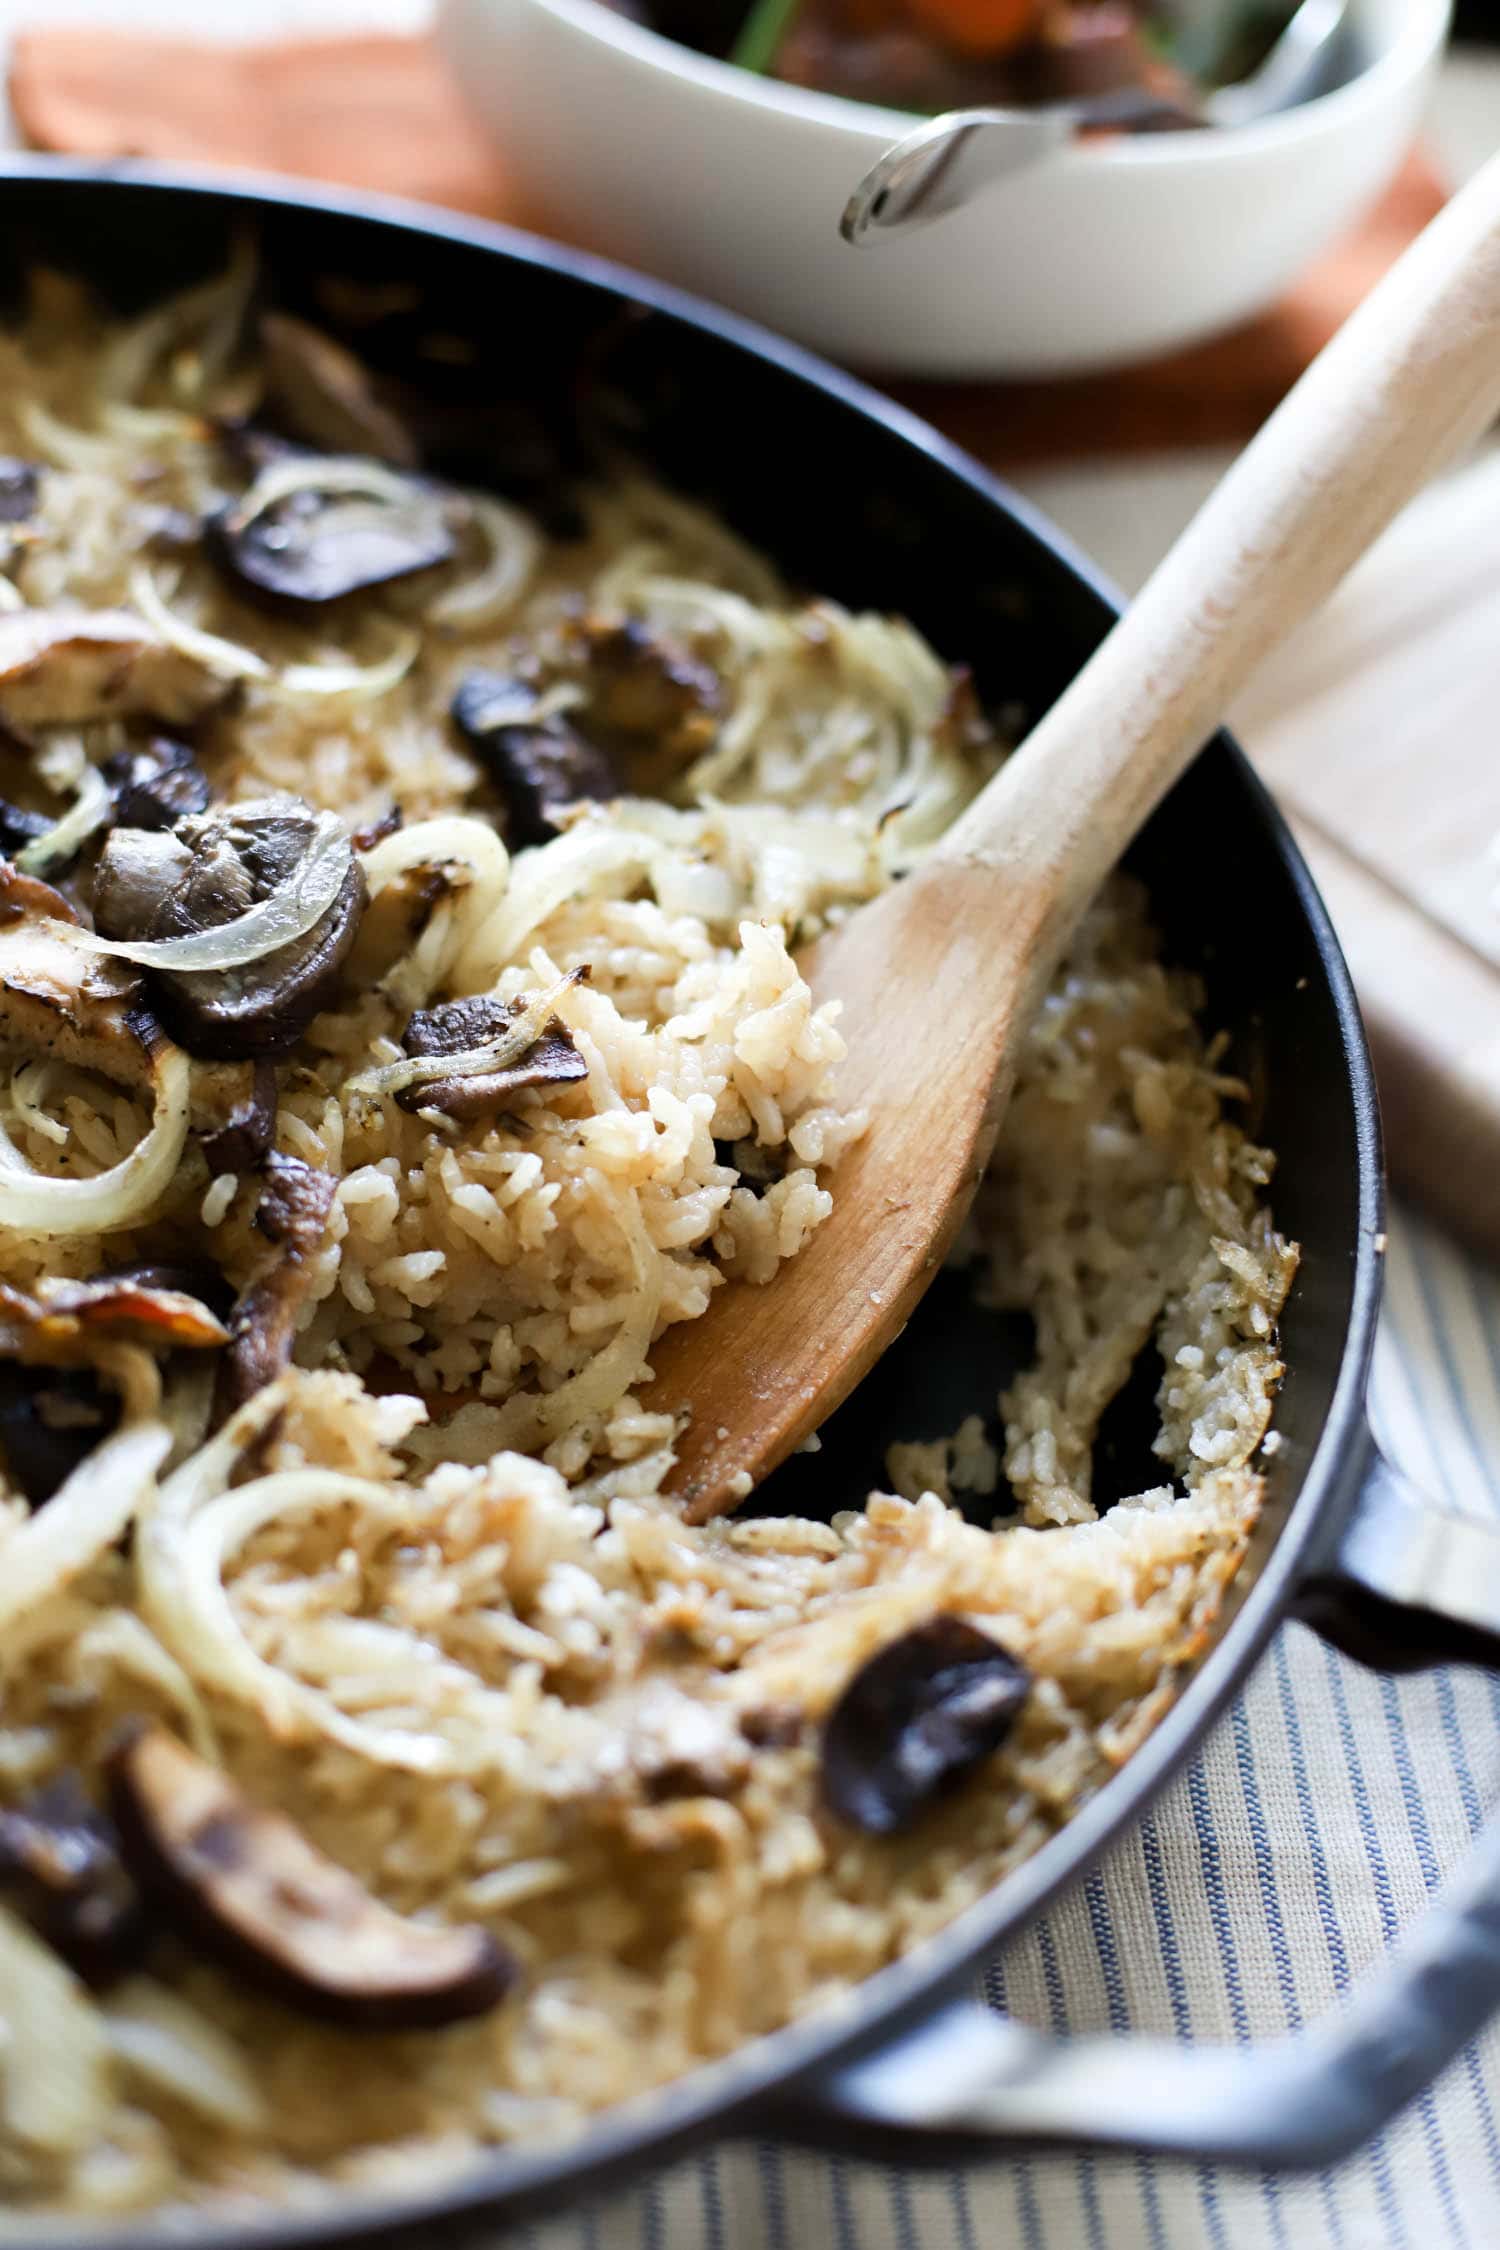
208, 1471
152, 425
544, 879
122, 1639
55, 2093
474, 1062
515, 550
29, 1087
322, 472
264, 928
89, 812
188, 1402
63, 444
452, 840
31, 1203
226, 658
170, 2047
180, 1556
84, 1517
531, 1418
354, 679
127, 362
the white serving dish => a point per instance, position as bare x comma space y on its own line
732, 185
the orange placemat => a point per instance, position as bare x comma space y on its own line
378, 112
384, 113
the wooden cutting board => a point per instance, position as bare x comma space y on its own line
1378, 727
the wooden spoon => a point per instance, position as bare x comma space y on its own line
940, 975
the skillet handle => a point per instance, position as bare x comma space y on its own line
1406, 1585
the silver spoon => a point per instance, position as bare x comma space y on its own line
952, 159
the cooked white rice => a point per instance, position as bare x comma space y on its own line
494, 1673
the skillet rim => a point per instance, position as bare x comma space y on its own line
728, 2096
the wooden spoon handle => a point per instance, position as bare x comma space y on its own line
1410, 380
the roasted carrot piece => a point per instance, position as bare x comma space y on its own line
979, 27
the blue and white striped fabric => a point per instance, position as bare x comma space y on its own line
1314, 1826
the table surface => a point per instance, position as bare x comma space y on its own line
1321, 1815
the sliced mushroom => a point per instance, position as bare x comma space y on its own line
59, 1322
54, 1409
18, 828
313, 546
915, 1719
198, 1278
459, 1026
22, 895
293, 1215
393, 921
156, 785
68, 667
648, 686
20, 489
60, 1867
759, 1168
59, 997
51, 1420
139, 868
294, 1205
234, 1113
323, 394
539, 765
210, 871
389, 824
244, 1884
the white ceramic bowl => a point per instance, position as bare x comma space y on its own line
732, 186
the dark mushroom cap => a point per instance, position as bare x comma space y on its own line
20, 489
58, 1323
246, 1886
915, 1718
293, 1214
60, 1867
538, 765
18, 827
207, 872
156, 784
242, 1122
459, 1026
314, 547
51, 1419
646, 685
323, 394
54, 1408
199, 1278
462, 1024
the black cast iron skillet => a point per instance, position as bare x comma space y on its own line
858, 500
